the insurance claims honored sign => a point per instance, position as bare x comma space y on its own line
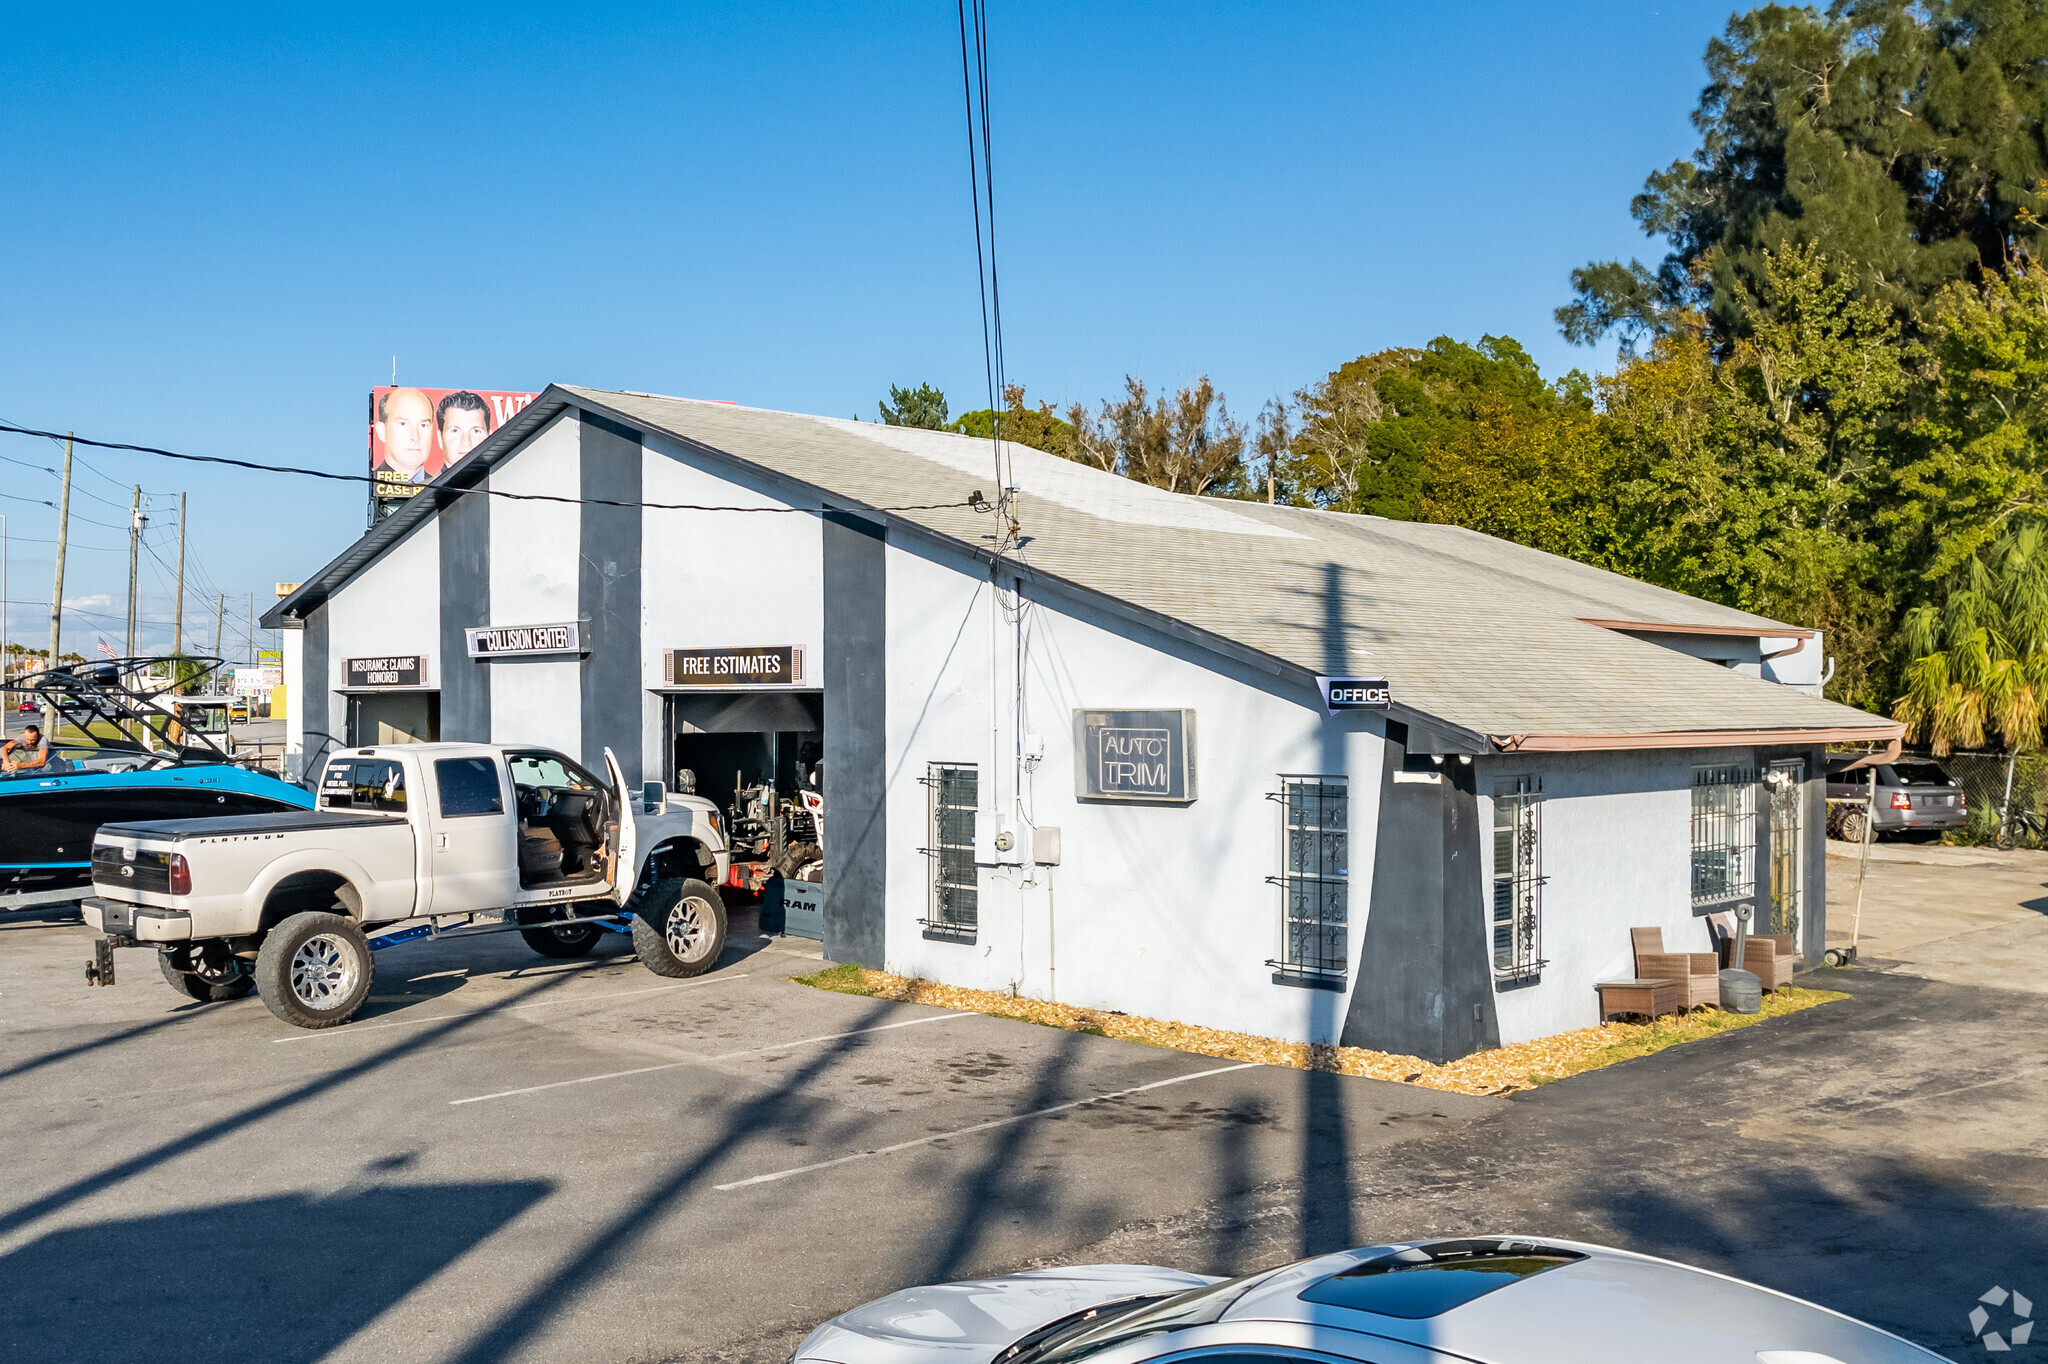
392, 670
779, 665
1135, 755
522, 641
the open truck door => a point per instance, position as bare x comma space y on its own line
624, 843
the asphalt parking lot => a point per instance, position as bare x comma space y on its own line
508, 1157
512, 1158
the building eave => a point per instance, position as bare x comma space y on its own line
1884, 733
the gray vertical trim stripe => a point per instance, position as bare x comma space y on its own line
856, 693
320, 740
465, 601
608, 594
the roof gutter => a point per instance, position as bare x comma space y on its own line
1660, 627
1892, 733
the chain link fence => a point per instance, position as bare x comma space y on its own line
2007, 795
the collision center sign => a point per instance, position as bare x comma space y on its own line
391, 670
779, 665
513, 641
1135, 755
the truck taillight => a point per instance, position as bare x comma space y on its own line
1901, 801
181, 875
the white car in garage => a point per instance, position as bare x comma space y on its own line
1487, 1300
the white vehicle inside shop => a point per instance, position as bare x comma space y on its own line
445, 834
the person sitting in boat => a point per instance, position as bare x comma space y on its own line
27, 755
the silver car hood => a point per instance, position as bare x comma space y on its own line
967, 1323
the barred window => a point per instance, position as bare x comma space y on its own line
1518, 877
1314, 879
955, 886
1723, 835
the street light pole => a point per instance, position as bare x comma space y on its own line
178, 618
57, 591
135, 520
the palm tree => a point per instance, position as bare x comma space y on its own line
1980, 660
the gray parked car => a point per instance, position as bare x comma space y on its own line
1915, 797
1488, 1300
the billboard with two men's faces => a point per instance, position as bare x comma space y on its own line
415, 433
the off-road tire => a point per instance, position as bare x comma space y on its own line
204, 987
315, 970
1852, 826
574, 941
796, 857
678, 926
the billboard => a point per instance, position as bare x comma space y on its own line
415, 433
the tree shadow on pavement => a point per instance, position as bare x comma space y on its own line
282, 1279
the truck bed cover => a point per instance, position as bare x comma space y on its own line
284, 822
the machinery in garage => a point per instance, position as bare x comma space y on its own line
758, 756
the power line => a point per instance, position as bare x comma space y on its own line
9, 427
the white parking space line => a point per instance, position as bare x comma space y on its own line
703, 1060
354, 1028
982, 1126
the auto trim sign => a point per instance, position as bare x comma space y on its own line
520, 641
779, 665
392, 670
1135, 755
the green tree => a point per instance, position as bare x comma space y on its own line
1367, 428
1973, 459
1184, 443
1036, 427
923, 406
1904, 136
1980, 660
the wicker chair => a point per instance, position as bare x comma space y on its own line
1769, 956
1699, 972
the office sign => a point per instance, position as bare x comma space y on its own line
523, 641
779, 665
392, 670
1355, 693
1135, 755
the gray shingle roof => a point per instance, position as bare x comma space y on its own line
1479, 633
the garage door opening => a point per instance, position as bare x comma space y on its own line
394, 717
754, 755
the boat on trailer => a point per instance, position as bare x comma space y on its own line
143, 755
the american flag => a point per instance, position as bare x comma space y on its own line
108, 649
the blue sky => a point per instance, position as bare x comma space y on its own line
219, 228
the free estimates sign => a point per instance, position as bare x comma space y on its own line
779, 665
1135, 755
391, 670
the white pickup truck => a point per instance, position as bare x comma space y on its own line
434, 832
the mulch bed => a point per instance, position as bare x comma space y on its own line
1502, 1070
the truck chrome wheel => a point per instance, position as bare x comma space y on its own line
678, 926
323, 972
688, 931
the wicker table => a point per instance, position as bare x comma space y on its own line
1639, 996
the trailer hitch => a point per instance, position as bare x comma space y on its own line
100, 970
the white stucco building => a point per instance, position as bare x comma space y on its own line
1093, 760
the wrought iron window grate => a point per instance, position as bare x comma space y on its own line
954, 793
1723, 835
1518, 877
1315, 877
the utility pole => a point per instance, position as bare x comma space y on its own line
252, 629
220, 613
178, 619
135, 520
57, 592
5, 657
